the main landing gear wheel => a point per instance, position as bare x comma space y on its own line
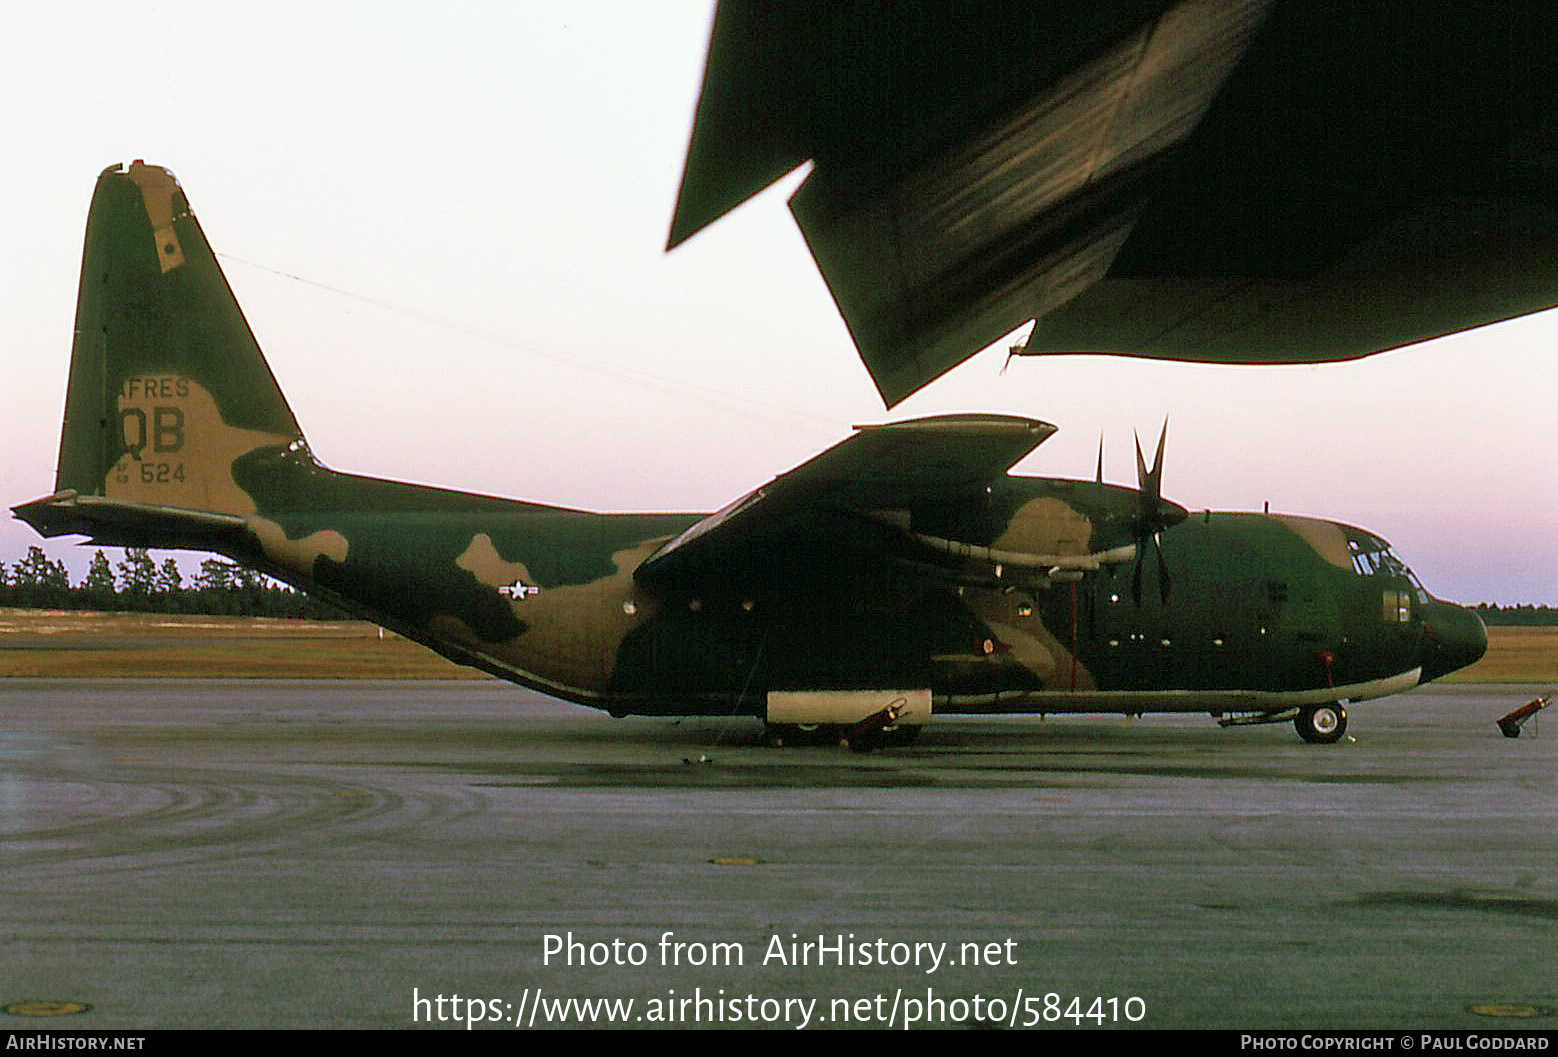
1321, 724
782, 734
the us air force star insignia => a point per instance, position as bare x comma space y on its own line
518, 591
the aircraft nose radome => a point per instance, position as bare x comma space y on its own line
1456, 638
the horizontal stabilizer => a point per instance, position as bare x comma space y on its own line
123, 523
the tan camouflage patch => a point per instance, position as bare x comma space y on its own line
482, 560
178, 450
157, 187
1046, 526
1327, 539
298, 555
572, 633
1027, 641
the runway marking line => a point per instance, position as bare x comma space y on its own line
45, 1007
1509, 1009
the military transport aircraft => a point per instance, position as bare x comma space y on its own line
901, 572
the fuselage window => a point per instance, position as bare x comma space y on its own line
1398, 607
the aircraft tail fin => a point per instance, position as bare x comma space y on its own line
169, 393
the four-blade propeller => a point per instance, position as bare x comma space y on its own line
1153, 516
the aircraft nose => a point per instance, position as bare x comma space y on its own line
1456, 638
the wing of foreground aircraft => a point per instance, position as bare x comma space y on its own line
1238, 181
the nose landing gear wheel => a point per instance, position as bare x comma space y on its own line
1321, 724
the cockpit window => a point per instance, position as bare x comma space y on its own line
1372, 556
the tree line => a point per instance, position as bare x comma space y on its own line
1518, 616
139, 584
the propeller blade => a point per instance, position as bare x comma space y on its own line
1163, 573
1151, 516
1149, 486
1157, 460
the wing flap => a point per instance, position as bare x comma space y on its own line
1439, 269
1023, 216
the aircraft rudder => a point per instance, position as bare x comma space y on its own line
168, 388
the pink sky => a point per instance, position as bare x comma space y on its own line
503, 175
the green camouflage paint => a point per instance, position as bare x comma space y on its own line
906, 556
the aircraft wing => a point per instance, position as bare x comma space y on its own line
1238, 181
881, 467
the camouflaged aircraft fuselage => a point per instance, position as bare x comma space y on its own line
905, 558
